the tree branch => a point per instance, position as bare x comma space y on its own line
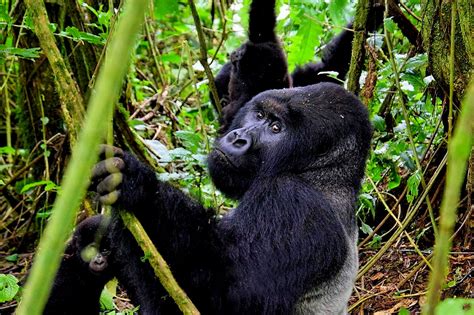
203, 57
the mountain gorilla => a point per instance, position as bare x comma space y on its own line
294, 158
260, 63
80, 279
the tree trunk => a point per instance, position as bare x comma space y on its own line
436, 35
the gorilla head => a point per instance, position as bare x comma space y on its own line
320, 131
84, 248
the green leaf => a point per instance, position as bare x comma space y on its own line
164, 7
191, 140
366, 229
394, 180
379, 123
49, 186
390, 24
8, 287
413, 183
337, 9
302, 48
455, 307
7, 150
78, 35
180, 153
106, 301
26, 53
12, 258
172, 58
403, 311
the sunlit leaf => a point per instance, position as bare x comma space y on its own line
8, 287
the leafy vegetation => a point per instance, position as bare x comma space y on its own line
164, 115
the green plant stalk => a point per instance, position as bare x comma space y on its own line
451, 69
201, 119
8, 125
388, 40
358, 52
459, 149
84, 156
161, 268
409, 216
203, 57
70, 97
410, 239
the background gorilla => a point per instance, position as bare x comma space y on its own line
260, 64
295, 159
79, 281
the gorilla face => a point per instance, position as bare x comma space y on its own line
310, 129
244, 151
87, 251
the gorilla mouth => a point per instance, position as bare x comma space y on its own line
225, 158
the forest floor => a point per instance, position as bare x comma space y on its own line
397, 281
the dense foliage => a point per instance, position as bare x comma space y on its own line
165, 116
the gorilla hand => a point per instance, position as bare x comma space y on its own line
118, 178
107, 174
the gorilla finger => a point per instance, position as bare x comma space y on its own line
108, 151
110, 198
110, 183
108, 166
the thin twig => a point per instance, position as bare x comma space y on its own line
203, 56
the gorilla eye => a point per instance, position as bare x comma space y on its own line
276, 127
260, 115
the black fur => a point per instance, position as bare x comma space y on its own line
258, 65
290, 244
336, 57
266, 68
78, 283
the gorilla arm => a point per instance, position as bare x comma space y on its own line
181, 228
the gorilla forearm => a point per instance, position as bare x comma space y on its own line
181, 221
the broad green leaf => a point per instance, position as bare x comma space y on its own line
8, 287
336, 10
403, 311
106, 301
455, 307
191, 140
302, 48
164, 7
379, 123
7, 150
390, 24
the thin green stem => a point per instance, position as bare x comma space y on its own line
451, 69
406, 117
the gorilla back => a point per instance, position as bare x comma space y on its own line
294, 158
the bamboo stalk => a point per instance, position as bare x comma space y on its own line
160, 267
77, 174
459, 149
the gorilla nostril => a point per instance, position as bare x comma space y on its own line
239, 143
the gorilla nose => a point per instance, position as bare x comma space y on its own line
99, 260
237, 142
